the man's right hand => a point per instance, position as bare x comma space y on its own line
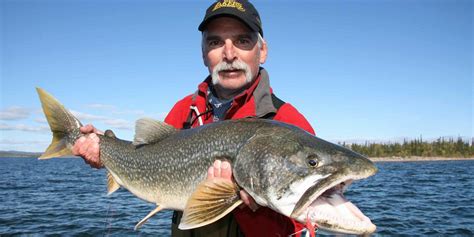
87, 146
222, 169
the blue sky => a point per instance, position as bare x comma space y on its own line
358, 70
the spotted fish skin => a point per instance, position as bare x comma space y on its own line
167, 172
281, 166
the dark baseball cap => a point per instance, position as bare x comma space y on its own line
240, 9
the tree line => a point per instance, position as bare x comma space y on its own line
440, 147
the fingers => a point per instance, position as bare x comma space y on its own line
93, 149
88, 148
220, 169
89, 128
77, 146
226, 170
223, 169
217, 168
210, 172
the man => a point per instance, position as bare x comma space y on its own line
233, 50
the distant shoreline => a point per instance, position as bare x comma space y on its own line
416, 158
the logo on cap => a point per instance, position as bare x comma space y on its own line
229, 3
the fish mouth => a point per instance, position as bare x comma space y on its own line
324, 204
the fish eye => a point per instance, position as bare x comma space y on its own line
313, 163
313, 160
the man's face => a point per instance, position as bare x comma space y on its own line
231, 53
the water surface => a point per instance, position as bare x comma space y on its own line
66, 197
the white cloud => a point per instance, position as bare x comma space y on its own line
41, 120
24, 142
25, 145
23, 128
101, 106
14, 113
112, 122
84, 116
119, 123
130, 112
115, 110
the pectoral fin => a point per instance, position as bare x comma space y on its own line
152, 213
212, 200
112, 185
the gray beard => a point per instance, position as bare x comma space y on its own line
237, 64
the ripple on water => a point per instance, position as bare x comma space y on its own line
66, 197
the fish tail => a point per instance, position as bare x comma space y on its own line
63, 124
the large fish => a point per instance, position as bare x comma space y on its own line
281, 166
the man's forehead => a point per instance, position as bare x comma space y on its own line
226, 25
213, 35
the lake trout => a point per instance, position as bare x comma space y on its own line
281, 166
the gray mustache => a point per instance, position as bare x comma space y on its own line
235, 65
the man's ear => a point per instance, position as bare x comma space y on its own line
204, 59
203, 50
263, 53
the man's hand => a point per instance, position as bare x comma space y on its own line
222, 169
88, 146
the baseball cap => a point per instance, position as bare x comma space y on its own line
240, 9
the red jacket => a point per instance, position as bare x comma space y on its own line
256, 101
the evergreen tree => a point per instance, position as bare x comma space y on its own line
417, 147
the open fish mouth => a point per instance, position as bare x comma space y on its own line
330, 210
333, 212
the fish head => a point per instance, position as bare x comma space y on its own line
323, 201
304, 177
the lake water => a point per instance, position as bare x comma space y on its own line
66, 197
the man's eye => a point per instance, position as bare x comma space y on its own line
214, 43
243, 42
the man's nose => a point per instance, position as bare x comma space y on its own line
229, 50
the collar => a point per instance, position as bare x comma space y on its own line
260, 90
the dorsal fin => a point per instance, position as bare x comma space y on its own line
149, 131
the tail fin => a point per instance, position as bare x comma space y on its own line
63, 124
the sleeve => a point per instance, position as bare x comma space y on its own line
289, 114
178, 114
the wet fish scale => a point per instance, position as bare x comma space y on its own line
279, 165
164, 162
